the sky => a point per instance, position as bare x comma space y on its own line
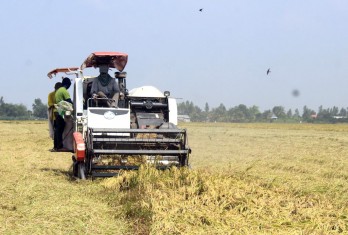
219, 55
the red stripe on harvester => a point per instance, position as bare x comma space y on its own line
79, 146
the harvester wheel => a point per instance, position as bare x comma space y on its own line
74, 166
81, 169
183, 160
75, 169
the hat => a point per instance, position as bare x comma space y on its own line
66, 82
57, 85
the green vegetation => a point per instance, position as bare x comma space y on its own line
20, 112
241, 114
263, 178
237, 114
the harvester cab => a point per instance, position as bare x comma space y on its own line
142, 128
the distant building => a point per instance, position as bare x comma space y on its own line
273, 118
184, 118
339, 117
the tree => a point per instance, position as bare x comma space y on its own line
334, 111
343, 112
323, 114
242, 113
254, 112
266, 115
39, 109
235, 115
289, 113
2, 113
206, 107
306, 115
188, 108
12, 110
297, 114
279, 111
219, 113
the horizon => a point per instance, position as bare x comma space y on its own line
227, 108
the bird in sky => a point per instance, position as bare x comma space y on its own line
268, 71
201, 9
295, 93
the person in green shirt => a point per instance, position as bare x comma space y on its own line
60, 95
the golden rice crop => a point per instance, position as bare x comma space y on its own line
245, 179
183, 201
38, 194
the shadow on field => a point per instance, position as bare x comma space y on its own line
59, 172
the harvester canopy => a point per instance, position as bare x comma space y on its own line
116, 60
62, 70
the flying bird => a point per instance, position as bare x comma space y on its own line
268, 71
295, 93
201, 9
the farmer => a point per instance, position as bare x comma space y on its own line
61, 94
104, 86
51, 110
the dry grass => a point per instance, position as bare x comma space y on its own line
37, 194
246, 179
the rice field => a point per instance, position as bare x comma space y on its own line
266, 178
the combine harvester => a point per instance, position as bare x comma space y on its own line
142, 129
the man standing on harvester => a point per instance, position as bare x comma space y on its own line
62, 94
106, 87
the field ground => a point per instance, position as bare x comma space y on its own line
245, 179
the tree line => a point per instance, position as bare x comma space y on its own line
239, 113
242, 113
10, 111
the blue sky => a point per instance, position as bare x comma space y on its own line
219, 55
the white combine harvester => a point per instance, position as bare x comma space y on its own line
142, 129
